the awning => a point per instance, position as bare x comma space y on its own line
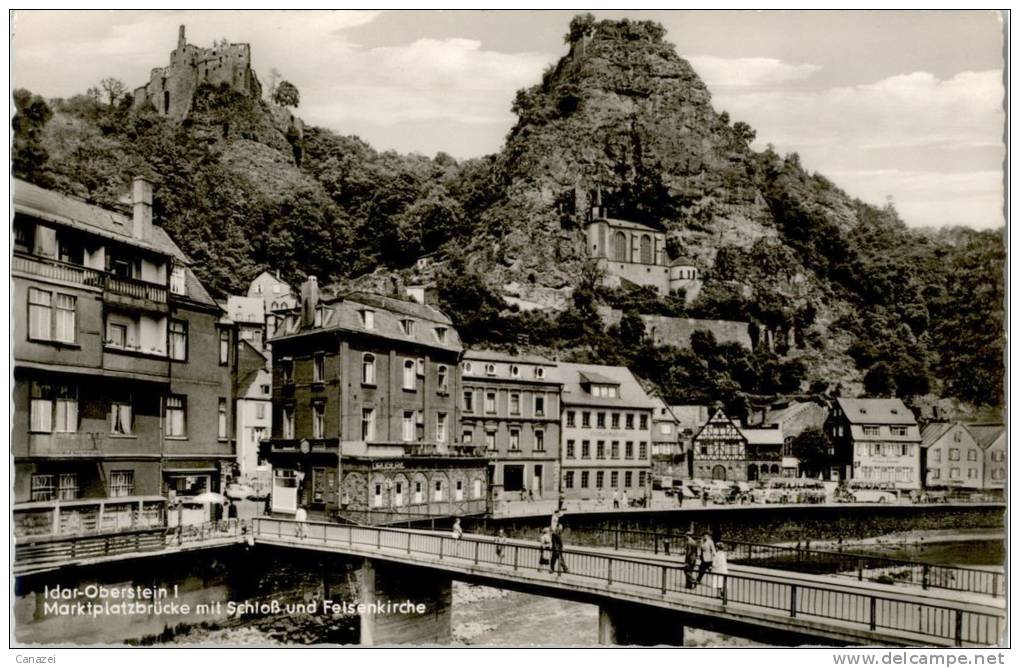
91, 371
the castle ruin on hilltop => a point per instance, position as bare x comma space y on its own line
171, 89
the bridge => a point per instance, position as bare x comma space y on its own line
643, 599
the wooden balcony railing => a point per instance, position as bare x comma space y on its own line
94, 278
130, 287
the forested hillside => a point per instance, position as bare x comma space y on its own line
850, 298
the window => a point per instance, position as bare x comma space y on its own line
539, 440
407, 326
570, 449
628, 450
53, 408
441, 428
644, 422
585, 450
539, 405
585, 419
467, 435
175, 415
469, 401
630, 421
368, 318
319, 367
44, 487
122, 483
614, 451
440, 334
467, 367
407, 426
615, 420
68, 487
971, 455
515, 440
368, 369
367, 424
490, 402
221, 419
957, 437
224, 346
490, 440
898, 430
515, 371
972, 473
600, 450
568, 480
666, 429
40, 315
438, 496
641, 478
418, 494
64, 318
584, 479
936, 455
515, 403
570, 418
954, 454
458, 491
410, 379
260, 411
377, 496
398, 494
490, 369
317, 317
539, 372
178, 340
287, 370
933, 474
954, 473
600, 420
476, 488
600, 479
318, 420
121, 416
116, 335
871, 429
177, 284
288, 422
614, 479
642, 450
441, 378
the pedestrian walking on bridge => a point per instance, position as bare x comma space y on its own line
707, 548
301, 517
692, 554
557, 551
544, 546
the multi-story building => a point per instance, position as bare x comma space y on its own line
365, 410
277, 297
248, 314
510, 405
607, 432
122, 371
876, 441
690, 419
764, 452
253, 410
959, 455
793, 418
667, 451
720, 449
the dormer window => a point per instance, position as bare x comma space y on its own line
407, 326
177, 281
441, 334
467, 367
490, 369
368, 318
605, 391
515, 371
319, 316
539, 372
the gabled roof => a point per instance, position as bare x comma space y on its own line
496, 356
629, 224
246, 309
631, 393
594, 378
934, 431
762, 436
986, 434
196, 292
780, 415
876, 411
61, 209
411, 308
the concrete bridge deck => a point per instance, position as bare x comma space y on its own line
754, 602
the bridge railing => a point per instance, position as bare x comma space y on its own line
831, 562
901, 614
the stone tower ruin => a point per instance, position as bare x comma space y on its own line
171, 89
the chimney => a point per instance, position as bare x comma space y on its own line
141, 199
309, 301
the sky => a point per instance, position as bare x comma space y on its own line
901, 106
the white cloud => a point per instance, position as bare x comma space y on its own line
720, 73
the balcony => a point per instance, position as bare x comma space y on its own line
125, 291
56, 270
64, 445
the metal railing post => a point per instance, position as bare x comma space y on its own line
872, 621
860, 568
409, 543
656, 539
959, 627
664, 580
477, 543
441, 541
725, 586
378, 539
609, 571
616, 538
516, 548
793, 600
350, 534
924, 576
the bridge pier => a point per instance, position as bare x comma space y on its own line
623, 624
381, 582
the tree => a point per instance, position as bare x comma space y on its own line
29, 157
114, 90
811, 447
286, 94
879, 381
